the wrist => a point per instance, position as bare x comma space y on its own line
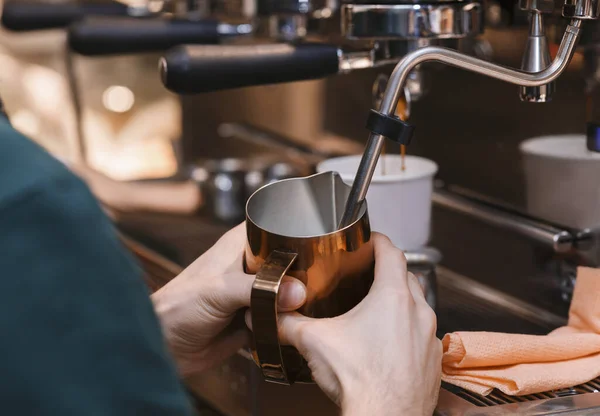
166, 311
170, 311
173, 198
160, 308
136, 197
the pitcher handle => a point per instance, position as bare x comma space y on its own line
272, 357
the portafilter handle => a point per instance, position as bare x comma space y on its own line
23, 16
114, 36
193, 69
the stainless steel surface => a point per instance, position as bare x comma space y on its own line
449, 57
284, 27
226, 184
315, 8
586, 404
511, 305
535, 59
541, 6
412, 21
561, 241
476, 144
373, 34
379, 86
581, 9
350, 61
303, 153
274, 7
425, 256
423, 265
291, 228
223, 187
428, 280
417, 85
290, 148
301, 207
362, 180
226, 29
496, 398
255, 135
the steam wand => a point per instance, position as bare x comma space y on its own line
383, 124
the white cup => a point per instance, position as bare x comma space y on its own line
399, 201
563, 180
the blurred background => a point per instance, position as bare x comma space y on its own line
131, 126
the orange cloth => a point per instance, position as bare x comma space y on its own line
524, 364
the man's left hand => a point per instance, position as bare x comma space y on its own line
198, 307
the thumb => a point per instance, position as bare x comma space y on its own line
234, 291
292, 328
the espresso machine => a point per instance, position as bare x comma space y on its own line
520, 266
504, 268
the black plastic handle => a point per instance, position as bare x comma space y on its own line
197, 69
21, 16
103, 36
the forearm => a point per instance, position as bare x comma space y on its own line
166, 197
172, 198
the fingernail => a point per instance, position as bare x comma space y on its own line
292, 294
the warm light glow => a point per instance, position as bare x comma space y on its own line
118, 99
47, 90
152, 6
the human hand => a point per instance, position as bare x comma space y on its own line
383, 356
198, 307
167, 197
112, 193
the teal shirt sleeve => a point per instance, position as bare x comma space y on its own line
78, 334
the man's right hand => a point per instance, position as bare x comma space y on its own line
382, 357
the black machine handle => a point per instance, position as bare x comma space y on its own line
196, 69
111, 36
23, 15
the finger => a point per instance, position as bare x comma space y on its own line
224, 347
427, 317
231, 292
292, 294
234, 237
418, 293
291, 329
415, 288
227, 254
234, 291
233, 241
390, 264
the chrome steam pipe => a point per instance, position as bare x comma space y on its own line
453, 58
